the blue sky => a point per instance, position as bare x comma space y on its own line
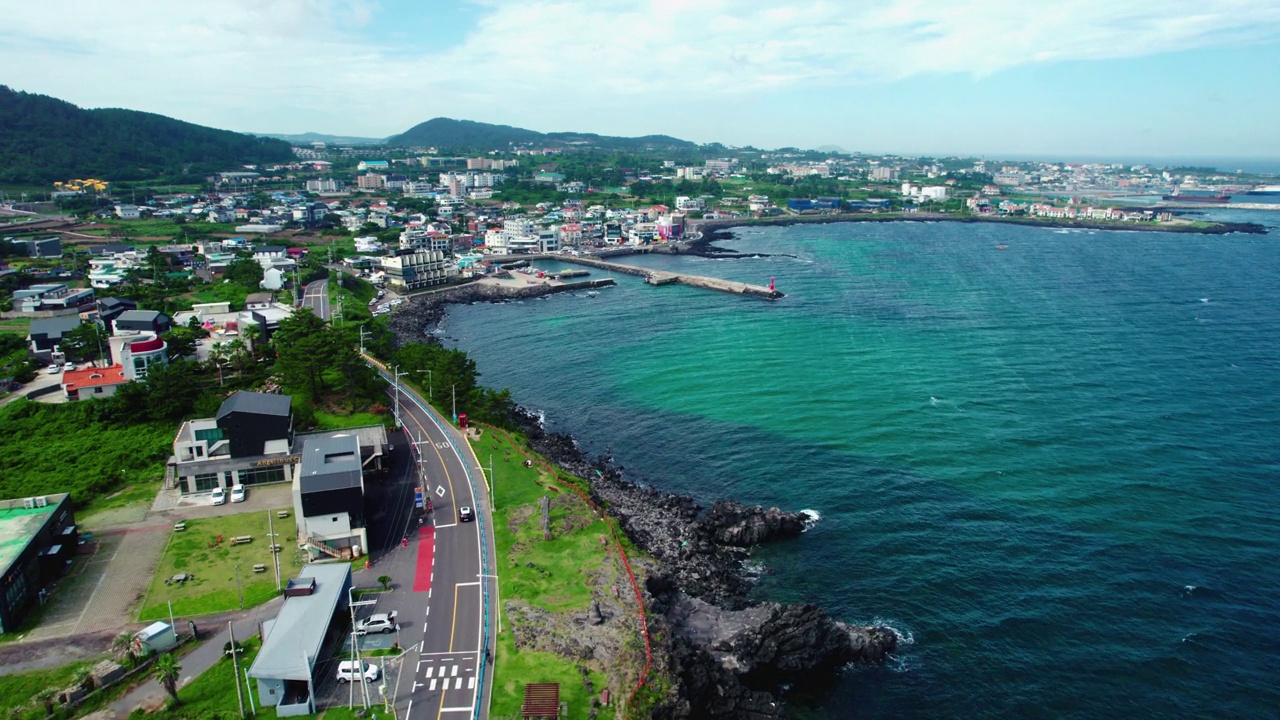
1087, 78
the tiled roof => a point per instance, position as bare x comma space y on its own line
94, 377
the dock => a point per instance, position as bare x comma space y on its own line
663, 277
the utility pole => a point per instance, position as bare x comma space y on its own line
275, 552
363, 333
235, 663
397, 376
493, 484
454, 391
239, 589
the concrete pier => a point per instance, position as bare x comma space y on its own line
663, 277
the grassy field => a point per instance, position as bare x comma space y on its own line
330, 421
212, 695
558, 580
17, 326
215, 587
233, 293
56, 436
18, 692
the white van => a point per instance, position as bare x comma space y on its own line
346, 671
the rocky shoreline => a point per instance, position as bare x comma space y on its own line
729, 655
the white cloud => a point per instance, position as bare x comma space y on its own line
297, 65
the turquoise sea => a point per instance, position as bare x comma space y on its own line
1054, 468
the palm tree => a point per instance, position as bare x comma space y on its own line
122, 646
167, 672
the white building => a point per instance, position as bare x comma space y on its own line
937, 193
416, 270
128, 212
325, 185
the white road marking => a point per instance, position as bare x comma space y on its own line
471, 683
432, 687
458, 685
457, 709
467, 584
454, 672
429, 671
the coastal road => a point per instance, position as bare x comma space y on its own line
448, 676
316, 297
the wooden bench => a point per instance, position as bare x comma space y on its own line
260, 567
282, 514
180, 527
241, 539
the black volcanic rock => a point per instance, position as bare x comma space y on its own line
737, 525
731, 658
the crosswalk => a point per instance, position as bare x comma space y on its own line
447, 676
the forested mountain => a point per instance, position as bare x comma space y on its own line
445, 133
43, 139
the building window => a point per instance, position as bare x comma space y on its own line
209, 434
206, 481
258, 476
17, 592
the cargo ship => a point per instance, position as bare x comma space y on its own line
1197, 196
1265, 190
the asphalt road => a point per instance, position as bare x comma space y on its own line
442, 618
316, 297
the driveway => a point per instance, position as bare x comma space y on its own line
106, 583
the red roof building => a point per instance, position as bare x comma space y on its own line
93, 382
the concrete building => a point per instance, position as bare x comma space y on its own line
45, 334
141, 321
310, 618
53, 298
371, 181
38, 537
247, 443
414, 270
326, 185
38, 247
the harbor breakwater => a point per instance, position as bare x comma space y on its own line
716, 229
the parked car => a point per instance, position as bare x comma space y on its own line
68, 366
238, 493
219, 496
465, 514
347, 671
376, 623
53, 369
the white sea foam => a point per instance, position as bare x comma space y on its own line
754, 569
1204, 300
811, 517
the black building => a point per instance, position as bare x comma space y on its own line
251, 421
142, 321
38, 537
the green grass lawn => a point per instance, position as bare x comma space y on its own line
18, 692
568, 558
17, 326
330, 421
233, 293
212, 695
213, 563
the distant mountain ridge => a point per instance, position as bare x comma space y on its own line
43, 139
310, 137
447, 133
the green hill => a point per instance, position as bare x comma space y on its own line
446, 133
43, 139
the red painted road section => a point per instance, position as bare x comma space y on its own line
426, 551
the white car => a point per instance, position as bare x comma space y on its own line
53, 369
238, 493
376, 623
69, 366
465, 514
218, 497
347, 671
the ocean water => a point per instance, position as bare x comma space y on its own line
1054, 468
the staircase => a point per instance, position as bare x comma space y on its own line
321, 547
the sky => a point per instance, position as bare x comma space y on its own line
1061, 78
